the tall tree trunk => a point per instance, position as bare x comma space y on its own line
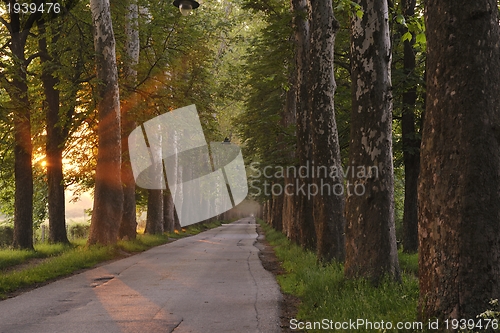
290, 222
304, 203
154, 218
128, 226
411, 142
108, 194
277, 212
177, 224
328, 209
23, 199
168, 211
370, 234
459, 190
54, 145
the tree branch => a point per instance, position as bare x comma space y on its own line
34, 56
6, 24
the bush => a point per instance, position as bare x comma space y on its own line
6, 236
78, 230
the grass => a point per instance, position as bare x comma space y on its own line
326, 294
63, 260
10, 258
66, 263
408, 263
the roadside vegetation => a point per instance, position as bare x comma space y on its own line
325, 293
26, 269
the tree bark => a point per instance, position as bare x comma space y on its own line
18, 92
304, 154
177, 224
277, 212
128, 226
370, 234
459, 190
55, 128
411, 142
328, 208
108, 194
154, 218
168, 211
289, 118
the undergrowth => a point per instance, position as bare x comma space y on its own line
325, 293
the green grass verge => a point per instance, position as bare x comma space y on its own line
63, 260
10, 258
66, 263
326, 294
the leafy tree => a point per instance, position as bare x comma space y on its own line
14, 81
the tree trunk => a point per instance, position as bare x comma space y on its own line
54, 146
168, 211
328, 208
459, 190
154, 219
23, 199
411, 142
289, 118
304, 203
177, 224
108, 194
277, 212
370, 234
128, 226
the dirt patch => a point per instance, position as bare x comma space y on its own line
289, 304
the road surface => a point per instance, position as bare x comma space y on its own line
211, 282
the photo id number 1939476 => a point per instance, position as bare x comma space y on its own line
32, 8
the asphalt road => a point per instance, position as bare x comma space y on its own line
211, 282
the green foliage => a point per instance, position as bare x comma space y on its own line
7, 194
177, 62
493, 312
407, 29
6, 235
349, 7
415, 29
324, 293
78, 230
399, 197
270, 67
342, 63
269, 63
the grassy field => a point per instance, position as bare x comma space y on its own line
326, 294
19, 269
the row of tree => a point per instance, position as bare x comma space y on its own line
75, 83
107, 67
457, 209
